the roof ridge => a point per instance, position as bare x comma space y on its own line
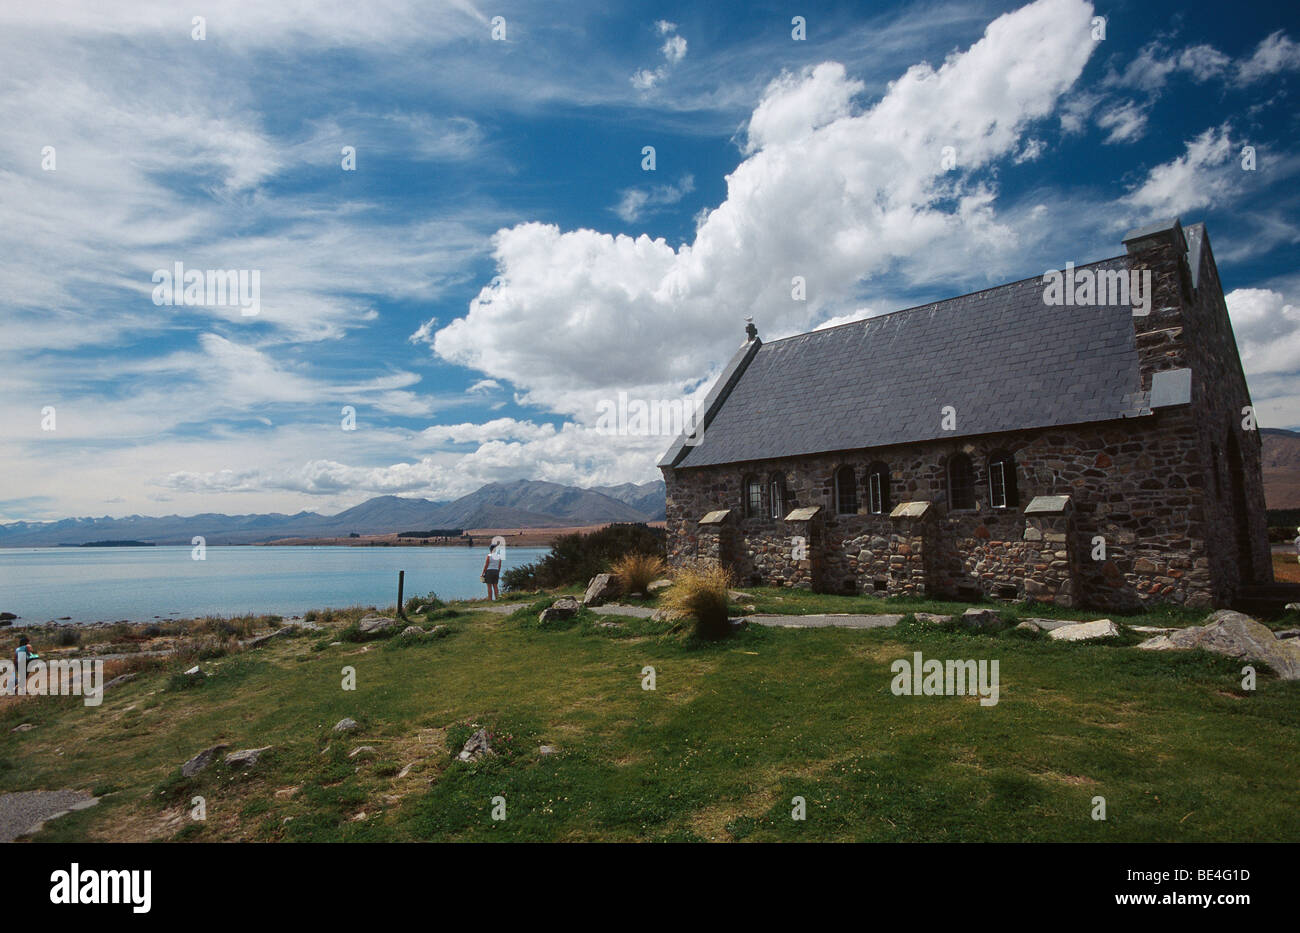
930, 304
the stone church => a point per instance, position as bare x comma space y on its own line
1041, 439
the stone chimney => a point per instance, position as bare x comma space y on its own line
1161, 249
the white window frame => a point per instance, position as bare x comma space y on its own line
875, 497
998, 484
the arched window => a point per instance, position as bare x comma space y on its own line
961, 482
878, 488
753, 497
777, 495
1002, 481
846, 491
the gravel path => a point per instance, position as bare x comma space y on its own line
636, 612
25, 811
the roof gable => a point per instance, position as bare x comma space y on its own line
1001, 357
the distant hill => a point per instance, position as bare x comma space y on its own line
647, 497
1281, 463
536, 504
523, 504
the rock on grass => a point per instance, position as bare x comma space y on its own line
201, 760
246, 757
1082, 631
1235, 635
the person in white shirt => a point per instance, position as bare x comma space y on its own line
23, 655
492, 570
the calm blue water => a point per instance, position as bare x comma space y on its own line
139, 584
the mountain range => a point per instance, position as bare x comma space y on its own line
522, 504
1280, 459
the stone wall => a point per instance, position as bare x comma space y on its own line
889, 559
1189, 328
1135, 484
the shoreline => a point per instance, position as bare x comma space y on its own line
470, 538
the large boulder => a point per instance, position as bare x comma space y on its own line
982, 620
246, 757
931, 618
1234, 635
1082, 631
6, 618
563, 608
373, 624
201, 760
603, 587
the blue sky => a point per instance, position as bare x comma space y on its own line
499, 263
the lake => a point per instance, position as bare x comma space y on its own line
141, 583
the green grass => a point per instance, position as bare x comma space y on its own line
734, 731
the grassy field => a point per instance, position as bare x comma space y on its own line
731, 734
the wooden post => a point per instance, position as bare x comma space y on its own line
401, 584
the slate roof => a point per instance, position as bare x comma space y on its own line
1004, 359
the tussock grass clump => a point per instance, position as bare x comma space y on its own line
237, 626
331, 616
636, 571
702, 593
207, 648
430, 603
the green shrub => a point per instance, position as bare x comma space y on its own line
576, 558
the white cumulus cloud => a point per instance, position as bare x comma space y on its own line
827, 191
